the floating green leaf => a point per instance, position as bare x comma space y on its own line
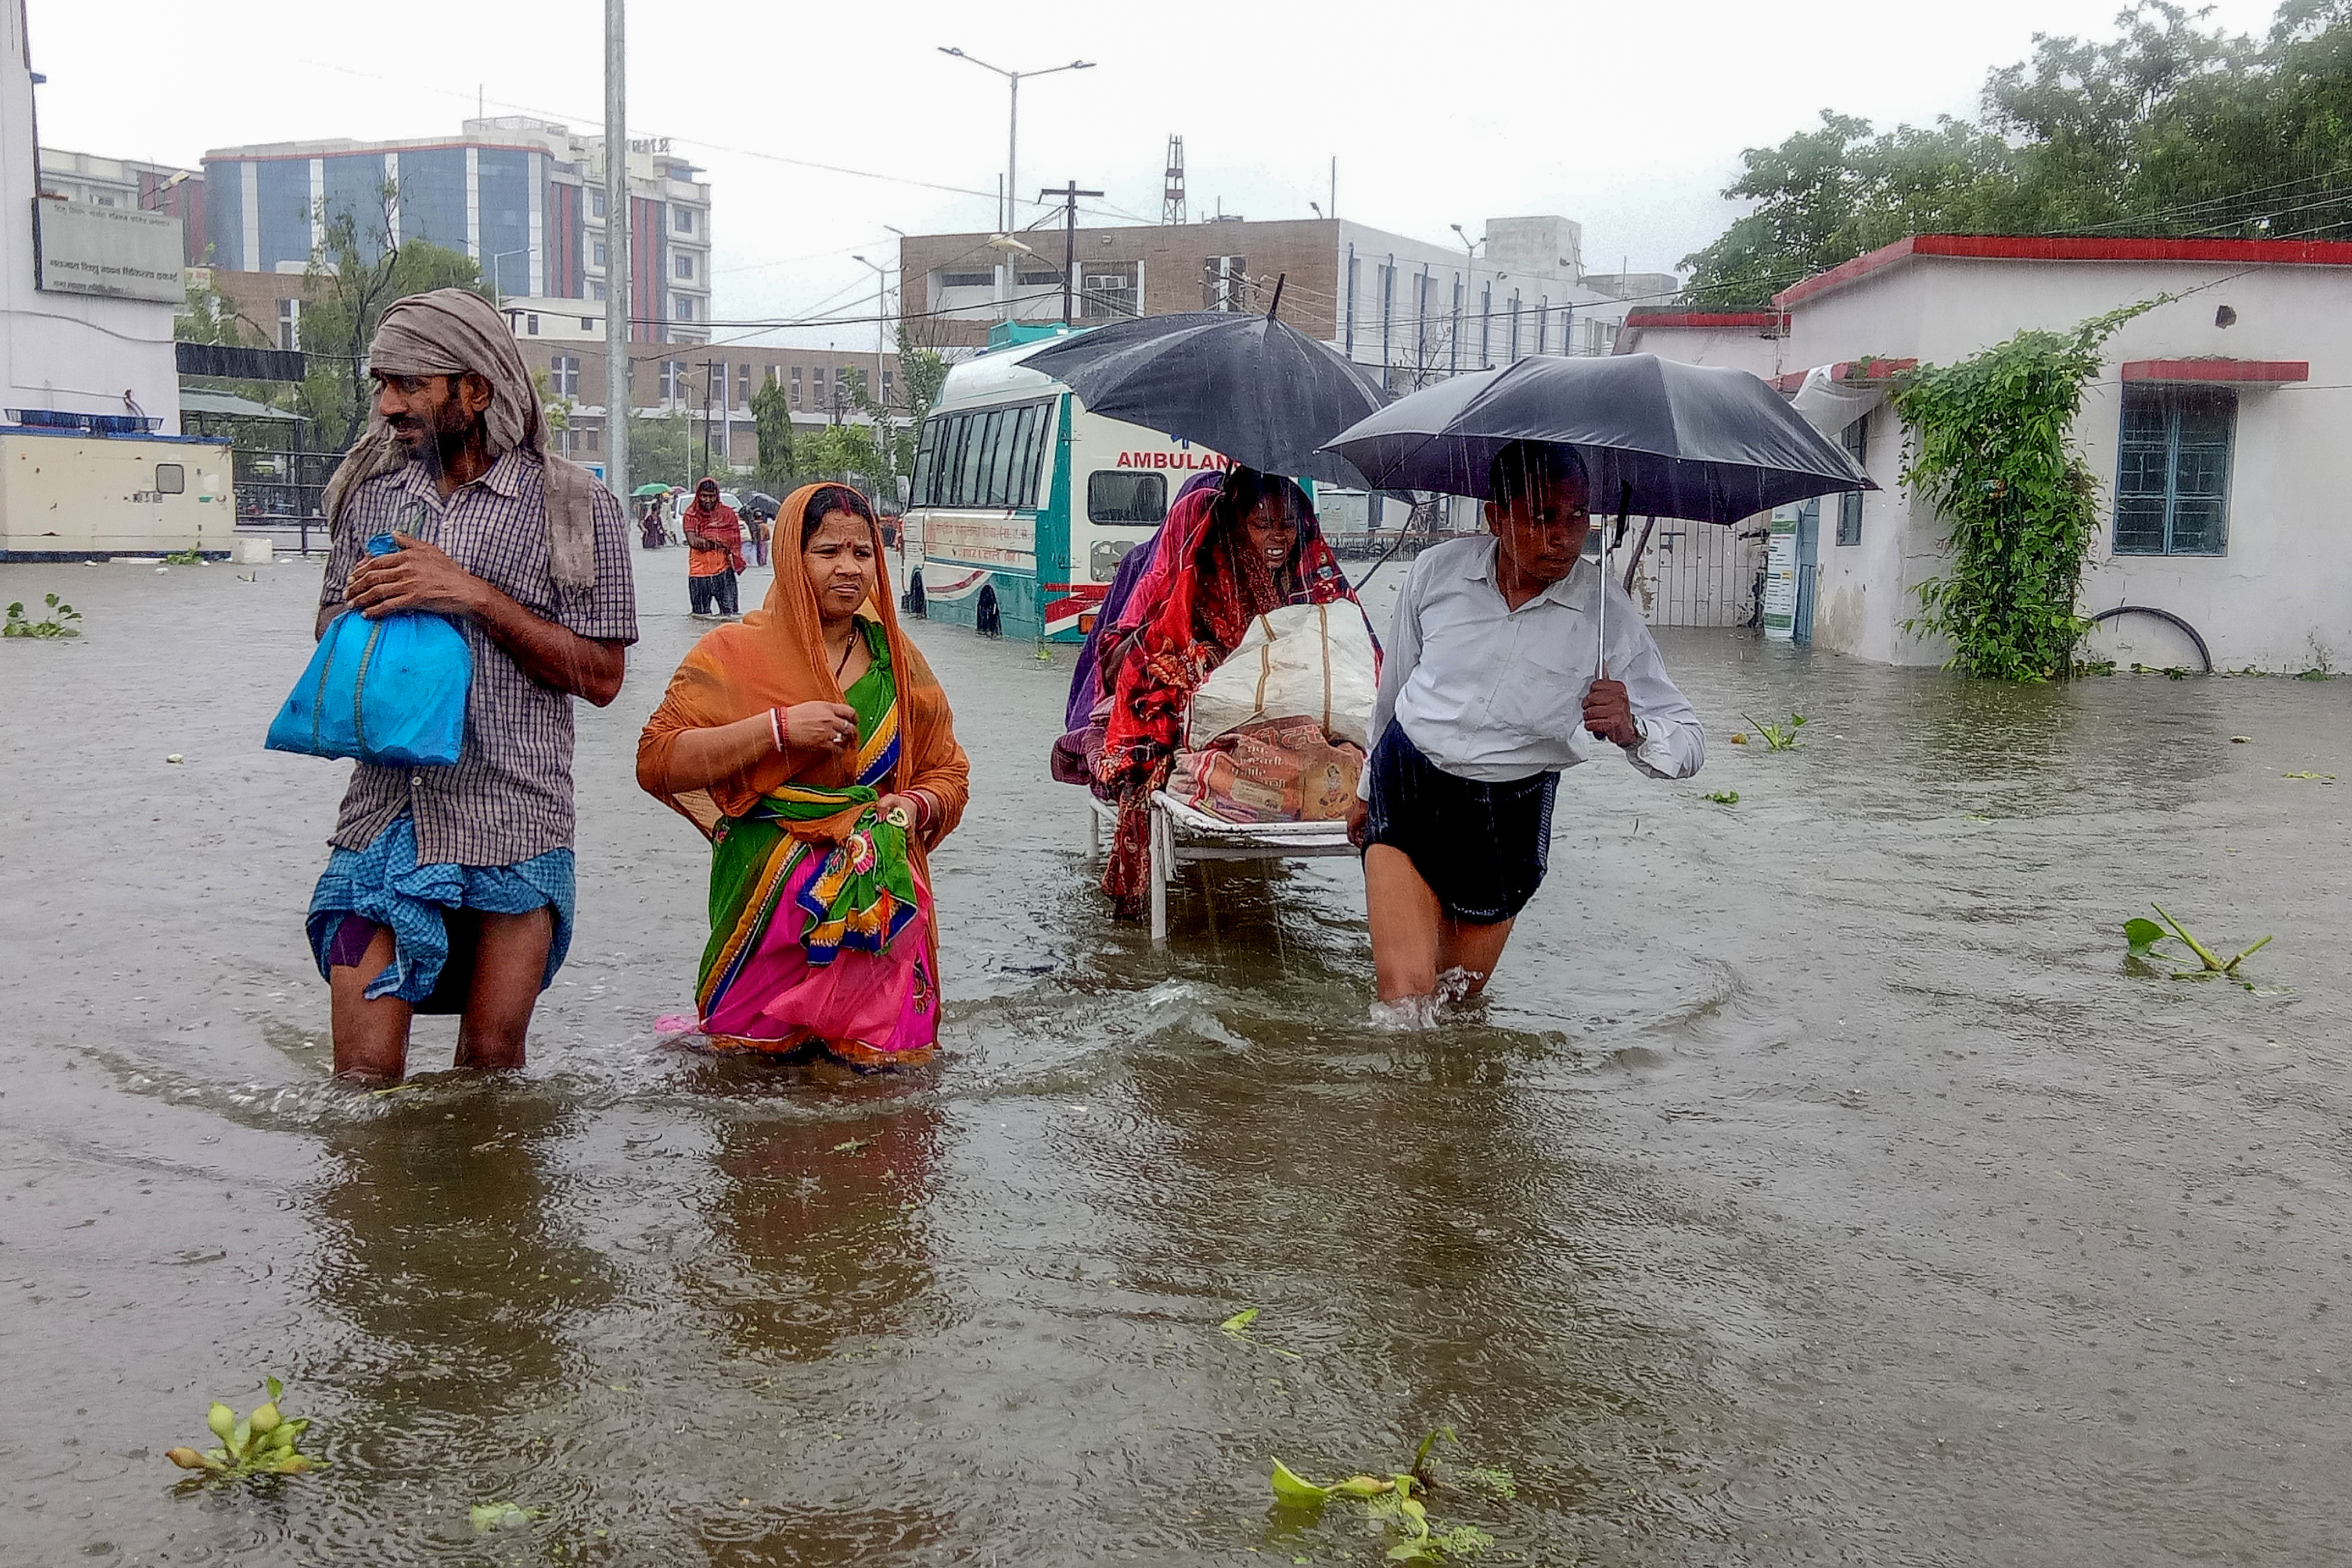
490, 1516
262, 1443
2142, 935
1293, 1487
60, 623
1392, 1502
1722, 797
1777, 737
1237, 1329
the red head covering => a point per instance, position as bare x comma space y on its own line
1216, 584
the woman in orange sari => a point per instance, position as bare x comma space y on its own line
811, 745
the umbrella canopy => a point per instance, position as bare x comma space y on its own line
760, 504
1262, 393
651, 491
1693, 441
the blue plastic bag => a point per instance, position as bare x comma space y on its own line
390, 690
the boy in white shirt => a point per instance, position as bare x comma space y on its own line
1488, 689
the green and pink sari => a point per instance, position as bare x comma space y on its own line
818, 944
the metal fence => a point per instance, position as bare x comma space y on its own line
283, 493
1703, 574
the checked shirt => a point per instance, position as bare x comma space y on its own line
510, 795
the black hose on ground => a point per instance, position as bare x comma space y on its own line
2165, 616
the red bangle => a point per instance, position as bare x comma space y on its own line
776, 727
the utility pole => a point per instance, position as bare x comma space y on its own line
616, 252
1069, 193
1469, 272
710, 369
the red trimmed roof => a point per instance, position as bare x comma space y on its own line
2028, 248
1669, 315
1873, 369
2234, 370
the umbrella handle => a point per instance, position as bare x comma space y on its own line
1601, 605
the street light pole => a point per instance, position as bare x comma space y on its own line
498, 287
616, 252
1012, 148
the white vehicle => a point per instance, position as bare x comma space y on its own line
1024, 502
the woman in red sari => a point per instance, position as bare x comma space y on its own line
1251, 546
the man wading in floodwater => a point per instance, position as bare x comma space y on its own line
449, 889
1486, 692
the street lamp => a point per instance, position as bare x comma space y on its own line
881, 306
1013, 136
162, 190
495, 287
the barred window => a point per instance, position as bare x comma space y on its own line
2172, 479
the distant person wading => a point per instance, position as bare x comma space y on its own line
714, 538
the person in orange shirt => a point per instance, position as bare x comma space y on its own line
714, 538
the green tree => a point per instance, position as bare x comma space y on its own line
1991, 450
2170, 127
847, 452
356, 272
771, 422
921, 373
209, 317
662, 448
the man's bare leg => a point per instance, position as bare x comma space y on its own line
1407, 924
510, 960
371, 1036
1472, 948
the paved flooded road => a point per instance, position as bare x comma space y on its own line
1817, 1185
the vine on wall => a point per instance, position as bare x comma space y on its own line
1990, 452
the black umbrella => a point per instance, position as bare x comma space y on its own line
1692, 441
761, 505
1260, 392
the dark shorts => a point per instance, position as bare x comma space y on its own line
1482, 847
714, 594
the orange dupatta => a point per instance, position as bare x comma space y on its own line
776, 657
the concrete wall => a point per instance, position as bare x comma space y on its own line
2284, 590
69, 352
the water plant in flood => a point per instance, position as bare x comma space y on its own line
1393, 1502
260, 1444
1237, 1328
1722, 797
2142, 934
59, 622
1776, 737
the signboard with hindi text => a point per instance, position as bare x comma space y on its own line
118, 253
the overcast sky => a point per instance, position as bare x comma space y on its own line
1626, 118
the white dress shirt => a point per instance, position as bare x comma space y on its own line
1494, 694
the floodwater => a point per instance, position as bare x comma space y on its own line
1819, 1183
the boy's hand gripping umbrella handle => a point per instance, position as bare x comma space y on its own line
1600, 589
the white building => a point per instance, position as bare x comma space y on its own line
2214, 427
74, 337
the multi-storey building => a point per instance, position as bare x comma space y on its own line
524, 198
1409, 310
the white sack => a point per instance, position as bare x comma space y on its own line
1301, 661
